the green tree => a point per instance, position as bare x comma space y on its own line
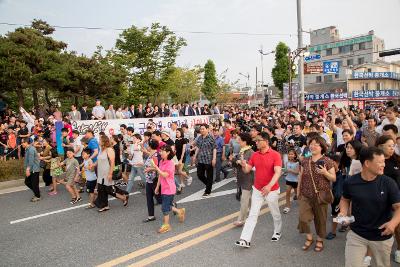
280, 72
149, 56
210, 86
184, 85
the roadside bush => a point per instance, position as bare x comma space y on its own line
11, 170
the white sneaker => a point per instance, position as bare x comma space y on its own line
367, 260
397, 256
275, 237
286, 210
189, 180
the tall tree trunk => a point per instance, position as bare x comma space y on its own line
76, 101
20, 94
35, 100
46, 96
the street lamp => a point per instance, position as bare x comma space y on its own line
247, 77
262, 67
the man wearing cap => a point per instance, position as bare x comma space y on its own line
98, 111
268, 165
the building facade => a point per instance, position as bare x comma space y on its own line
374, 82
329, 85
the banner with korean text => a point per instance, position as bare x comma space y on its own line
112, 127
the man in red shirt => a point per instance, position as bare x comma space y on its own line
268, 166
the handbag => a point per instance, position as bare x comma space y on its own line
323, 197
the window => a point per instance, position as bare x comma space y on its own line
350, 62
369, 70
362, 46
328, 78
365, 87
351, 47
329, 52
379, 86
344, 49
318, 79
336, 76
360, 60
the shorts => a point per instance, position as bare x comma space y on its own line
90, 186
166, 205
292, 184
70, 180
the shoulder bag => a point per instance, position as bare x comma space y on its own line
323, 197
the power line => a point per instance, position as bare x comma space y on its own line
175, 31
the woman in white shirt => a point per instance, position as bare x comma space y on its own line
136, 160
353, 149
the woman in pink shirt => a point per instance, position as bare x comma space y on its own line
166, 171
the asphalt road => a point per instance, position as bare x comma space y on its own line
49, 233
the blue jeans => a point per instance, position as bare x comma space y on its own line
136, 171
218, 167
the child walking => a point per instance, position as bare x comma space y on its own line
292, 177
166, 171
71, 172
90, 176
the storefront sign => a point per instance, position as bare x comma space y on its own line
373, 94
325, 96
313, 67
376, 75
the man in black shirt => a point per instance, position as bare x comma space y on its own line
372, 196
297, 141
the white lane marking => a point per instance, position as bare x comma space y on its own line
24, 188
59, 211
198, 195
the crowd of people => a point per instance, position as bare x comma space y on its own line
345, 161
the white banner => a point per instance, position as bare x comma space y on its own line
111, 127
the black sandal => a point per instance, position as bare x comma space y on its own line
149, 219
319, 248
126, 200
307, 246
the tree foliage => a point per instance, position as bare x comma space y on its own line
149, 56
184, 85
280, 72
210, 86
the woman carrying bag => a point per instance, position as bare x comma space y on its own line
314, 191
105, 184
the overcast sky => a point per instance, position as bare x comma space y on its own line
237, 53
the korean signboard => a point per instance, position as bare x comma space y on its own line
376, 75
325, 96
313, 67
312, 57
331, 67
374, 94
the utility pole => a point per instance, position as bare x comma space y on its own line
290, 79
256, 81
300, 46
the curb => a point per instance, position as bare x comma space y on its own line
12, 183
